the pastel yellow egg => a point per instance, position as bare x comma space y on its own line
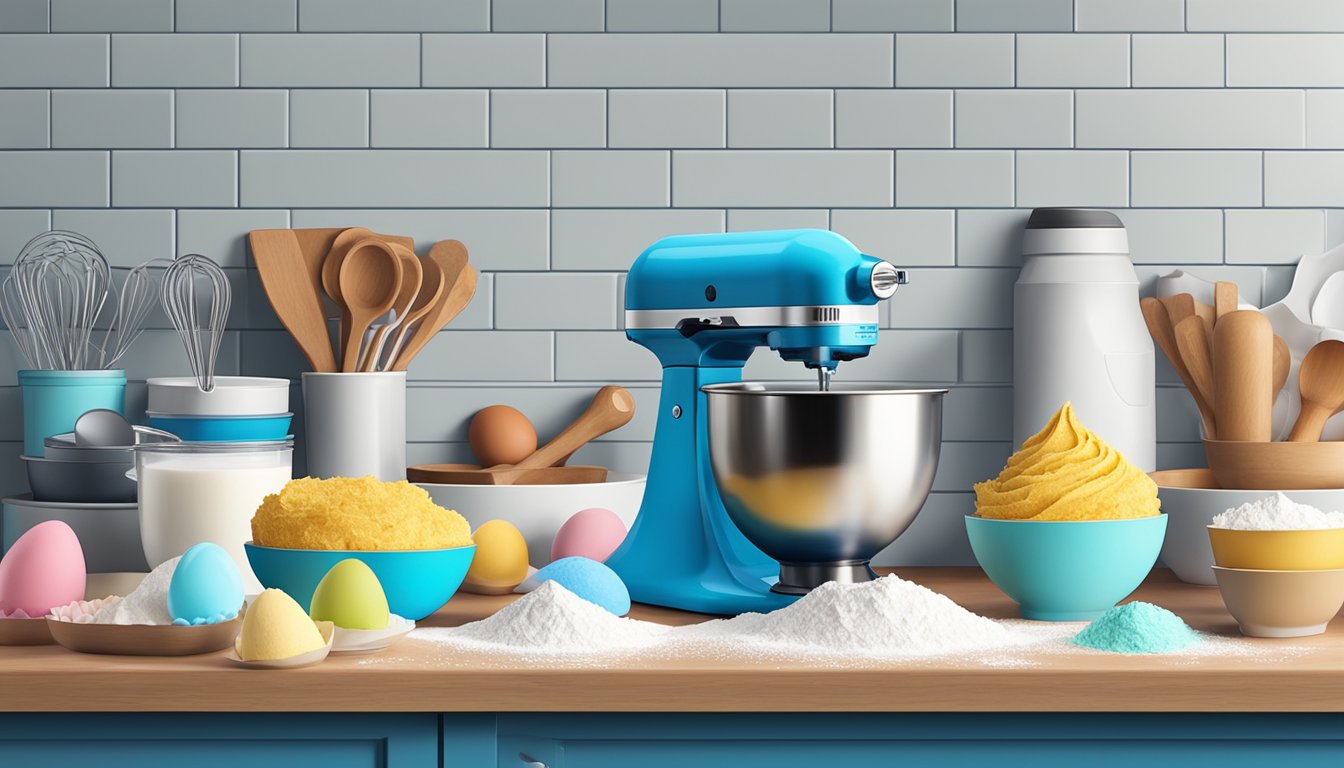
350, 597
276, 627
500, 563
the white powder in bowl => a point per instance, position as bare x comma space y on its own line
1277, 513
147, 603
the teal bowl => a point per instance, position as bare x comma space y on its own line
224, 429
1066, 571
416, 582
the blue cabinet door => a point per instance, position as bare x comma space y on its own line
947, 741
208, 740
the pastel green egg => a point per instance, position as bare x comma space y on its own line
350, 597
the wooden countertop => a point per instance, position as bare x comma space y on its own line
1245, 675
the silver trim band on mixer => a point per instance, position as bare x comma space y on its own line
755, 317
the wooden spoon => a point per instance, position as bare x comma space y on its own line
1224, 299
1321, 382
1179, 307
611, 408
463, 474
411, 275
288, 282
370, 281
1243, 360
1194, 348
451, 257
1283, 361
432, 287
340, 245
1159, 326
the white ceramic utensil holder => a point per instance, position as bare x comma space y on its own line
355, 424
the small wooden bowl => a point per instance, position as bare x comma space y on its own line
145, 640
1276, 466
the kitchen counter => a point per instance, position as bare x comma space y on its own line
418, 676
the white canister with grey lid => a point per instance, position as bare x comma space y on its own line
1079, 335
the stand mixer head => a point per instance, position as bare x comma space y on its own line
703, 304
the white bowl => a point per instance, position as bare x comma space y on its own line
1191, 502
538, 511
232, 396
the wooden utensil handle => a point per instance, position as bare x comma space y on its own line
612, 407
1310, 423
1243, 364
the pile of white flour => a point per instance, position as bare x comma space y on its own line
146, 604
887, 618
1277, 513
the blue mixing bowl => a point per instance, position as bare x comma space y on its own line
416, 582
1066, 571
224, 429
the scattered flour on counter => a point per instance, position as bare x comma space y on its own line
1277, 513
146, 604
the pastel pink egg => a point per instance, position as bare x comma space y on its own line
593, 533
42, 570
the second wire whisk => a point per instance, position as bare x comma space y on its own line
196, 298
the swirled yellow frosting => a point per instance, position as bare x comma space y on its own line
1066, 472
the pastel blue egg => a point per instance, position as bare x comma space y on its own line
206, 587
590, 580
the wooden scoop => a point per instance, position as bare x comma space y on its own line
611, 408
451, 257
370, 281
289, 286
1159, 326
411, 275
332, 259
1321, 381
1243, 361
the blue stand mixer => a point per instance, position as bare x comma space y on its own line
703, 304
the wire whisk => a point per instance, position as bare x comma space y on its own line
196, 295
52, 298
141, 292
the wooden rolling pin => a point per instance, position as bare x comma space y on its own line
1243, 365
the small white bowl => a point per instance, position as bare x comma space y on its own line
232, 396
538, 511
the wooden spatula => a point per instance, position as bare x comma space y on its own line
1159, 326
287, 281
611, 408
1194, 348
1224, 299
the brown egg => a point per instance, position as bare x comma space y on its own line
501, 435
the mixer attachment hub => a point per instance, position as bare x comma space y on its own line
801, 578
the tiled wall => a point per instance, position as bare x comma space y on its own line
557, 138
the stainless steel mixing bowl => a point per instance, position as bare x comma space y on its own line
823, 481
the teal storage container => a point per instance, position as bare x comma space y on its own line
53, 400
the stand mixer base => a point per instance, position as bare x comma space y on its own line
801, 578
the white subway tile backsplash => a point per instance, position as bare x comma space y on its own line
775, 179
983, 299
1014, 118
232, 118
90, 119
393, 178
1285, 60
893, 118
126, 238
429, 118
25, 119
611, 239
483, 356
1274, 236
788, 119
1129, 15
721, 60
1304, 179
666, 118
956, 61
907, 238
1014, 15
613, 178
892, 15
1259, 16
17, 226
1189, 118
565, 302
237, 16
602, 356
328, 118
496, 240
1161, 236
111, 15
394, 16
547, 15
54, 178
987, 357
24, 16
662, 16
222, 235
484, 61
749, 219
968, 178
171, 61
1325, 119
548, 119
1176, 179
775, 15
1073, 61
990, 238
1072, 178
188, 178
329, 60
1188, 61
53, 61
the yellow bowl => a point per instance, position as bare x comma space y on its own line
1278, 550
1281, 603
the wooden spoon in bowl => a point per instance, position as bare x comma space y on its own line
1321, 382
